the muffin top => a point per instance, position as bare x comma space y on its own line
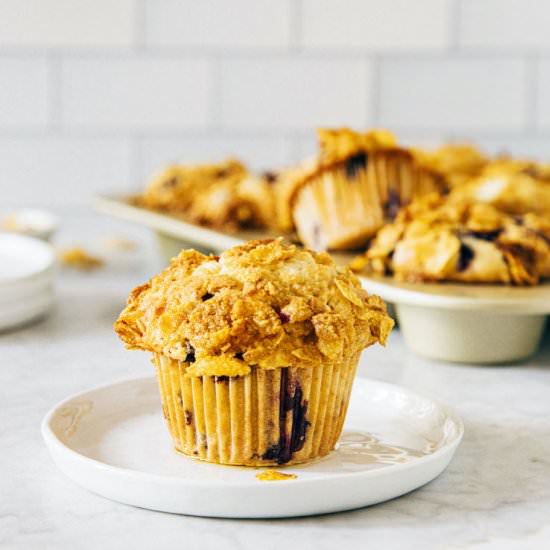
438, 239
455, 162
176, 188
509, 186
337, 145
265, 303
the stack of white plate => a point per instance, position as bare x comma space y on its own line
27, 268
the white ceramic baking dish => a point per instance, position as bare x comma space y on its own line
474, 324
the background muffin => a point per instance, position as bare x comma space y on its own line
439, 239
255, 350
360, 181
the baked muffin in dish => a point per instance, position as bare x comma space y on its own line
287, 183
359, 182
435, 239
223, 196
176, 188
255, 350
511, 186
455, 163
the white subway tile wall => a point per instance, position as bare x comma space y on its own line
295, 94
97, 95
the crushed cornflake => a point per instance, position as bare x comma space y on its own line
274, 475
78, 258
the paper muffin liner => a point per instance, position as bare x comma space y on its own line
268, 417
343, 206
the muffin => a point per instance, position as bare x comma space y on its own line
177, 187
455, 163
435, 239
223, 196
360, 181
287, 183
231, 205
510, 186
255, 350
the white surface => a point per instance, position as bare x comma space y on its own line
23, 258
543, 118
69, 166
520, 24
140, 92
374, 25
59, 23
496, 488
40, 224
213, 23
25, 91
25, 310
453, 93
295, 93
27, 271
113, 441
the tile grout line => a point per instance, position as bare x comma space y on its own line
532, 93
375, 64
215, 93
139, 30
295, 26
136, 169
454, 27
55, 103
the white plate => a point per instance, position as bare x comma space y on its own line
23, 311
112, 441
23, 259
31, 222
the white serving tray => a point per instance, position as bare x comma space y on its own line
112, 440
476, 324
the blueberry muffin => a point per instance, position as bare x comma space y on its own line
515, 187
359, 182
454, 163
255, 350
435, 239
176, 188
223, 196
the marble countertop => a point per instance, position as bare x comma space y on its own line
494, 495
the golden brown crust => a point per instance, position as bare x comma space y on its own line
339, 144
456, 163
264, 303
223, 195
508, 186
336, 146
176, 188
436, 239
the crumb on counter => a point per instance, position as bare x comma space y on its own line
274, 475
80, 259
10, 223
119, 244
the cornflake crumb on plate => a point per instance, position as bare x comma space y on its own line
79, 259
274, 475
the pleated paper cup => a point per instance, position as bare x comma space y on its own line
268, 417
343, 206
